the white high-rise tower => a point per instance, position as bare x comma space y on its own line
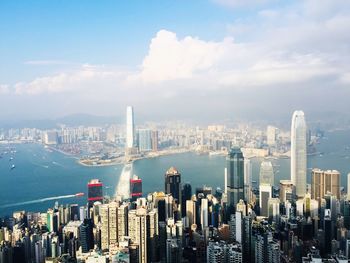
130, 129
298, 153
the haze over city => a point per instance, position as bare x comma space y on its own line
199, 60
158, 131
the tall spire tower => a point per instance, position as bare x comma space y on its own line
130, 129
298, 153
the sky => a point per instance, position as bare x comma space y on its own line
195, 60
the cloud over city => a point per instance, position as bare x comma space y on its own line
302, 48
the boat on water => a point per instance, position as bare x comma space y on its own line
13, 166
79, 194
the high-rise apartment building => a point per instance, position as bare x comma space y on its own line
271, 135
298, 153
154, 140
145, 140
235, 178
323, 182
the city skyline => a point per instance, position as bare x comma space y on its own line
234, 52
160, 131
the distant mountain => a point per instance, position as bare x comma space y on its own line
69, 120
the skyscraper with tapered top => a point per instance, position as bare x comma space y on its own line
298, 153
130, 127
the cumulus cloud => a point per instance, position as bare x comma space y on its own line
172, 58
300, 49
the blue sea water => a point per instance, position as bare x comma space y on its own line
42, 177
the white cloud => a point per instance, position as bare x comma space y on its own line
76, 81
4, 89
302, 47
172, 58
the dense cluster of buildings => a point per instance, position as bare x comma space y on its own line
288, 221
111, 141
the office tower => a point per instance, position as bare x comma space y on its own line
239, 226
247, 180
286, 191
52, 221
138, 225
298, 153
348, 190
204, 213
266, 175
153, 235
86, 236
186, 195
130, 127
323, 182
265, 193
95, 192
154, 141
191, 212
271, 135
274, 209
235, 178
135, 187
145, 140
173, 183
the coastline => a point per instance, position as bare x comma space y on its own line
121, 160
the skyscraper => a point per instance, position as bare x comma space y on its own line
130, 129
235, 178
271, 135
95, 192
135, 187
286, 191
348, 186
265, 193
298, 153
266, 173
145, 140
247, 180
323, 182
173, 183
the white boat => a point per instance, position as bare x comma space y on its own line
13, 166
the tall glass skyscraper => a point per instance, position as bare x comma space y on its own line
266, 173
130, 129
235, 178
298, 153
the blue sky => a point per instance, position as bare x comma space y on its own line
103, 55
100, 32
